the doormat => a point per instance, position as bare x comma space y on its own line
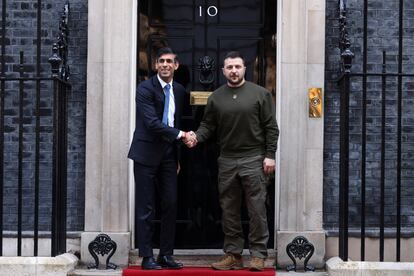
196, 271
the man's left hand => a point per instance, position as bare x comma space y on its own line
268, 165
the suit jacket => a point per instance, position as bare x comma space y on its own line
151, 136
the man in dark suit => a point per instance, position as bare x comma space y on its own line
155, 151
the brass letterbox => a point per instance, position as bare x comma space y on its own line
199, 97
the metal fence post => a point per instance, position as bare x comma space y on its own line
346, 61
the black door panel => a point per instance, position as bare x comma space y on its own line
195, 29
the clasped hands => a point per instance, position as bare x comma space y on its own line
190, 139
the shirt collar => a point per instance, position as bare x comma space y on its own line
163, 83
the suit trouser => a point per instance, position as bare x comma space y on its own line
148, 180
237, 175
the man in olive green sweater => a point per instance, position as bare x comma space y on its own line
241, 116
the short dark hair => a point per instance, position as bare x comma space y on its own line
234, 54
164, 51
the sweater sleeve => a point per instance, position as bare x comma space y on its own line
209, 123
269, 124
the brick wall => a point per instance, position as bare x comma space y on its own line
21, 36
382, 36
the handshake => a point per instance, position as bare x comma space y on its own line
189, 139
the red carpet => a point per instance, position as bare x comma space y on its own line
195, 271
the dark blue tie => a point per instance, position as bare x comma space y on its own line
166, 104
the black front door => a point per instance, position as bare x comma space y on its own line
201, 32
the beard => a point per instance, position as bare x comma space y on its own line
235, 81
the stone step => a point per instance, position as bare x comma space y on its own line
202, 257
194, 257
94, 272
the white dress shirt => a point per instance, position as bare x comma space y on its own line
171, 108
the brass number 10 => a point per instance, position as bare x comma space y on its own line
211, 11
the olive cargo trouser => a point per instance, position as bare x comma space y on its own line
237, 175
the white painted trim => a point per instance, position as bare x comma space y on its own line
133, 71
278, 112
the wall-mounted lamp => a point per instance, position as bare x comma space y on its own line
315, 102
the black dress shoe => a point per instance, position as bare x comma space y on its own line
149, 263
168, 262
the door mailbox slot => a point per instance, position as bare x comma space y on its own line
199, 97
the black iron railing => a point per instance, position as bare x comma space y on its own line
346, 58
55, 90
386, 84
